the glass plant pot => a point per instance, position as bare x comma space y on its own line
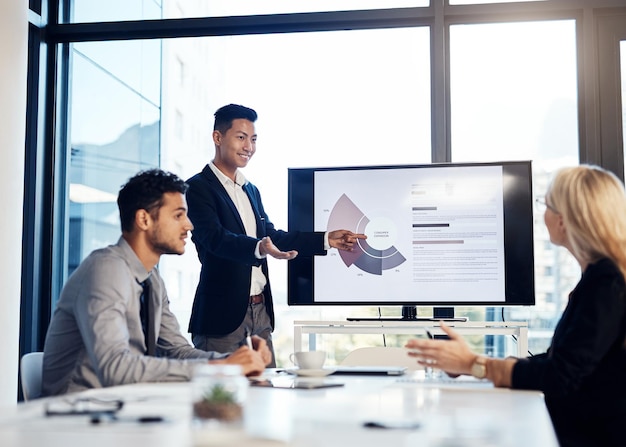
219, 392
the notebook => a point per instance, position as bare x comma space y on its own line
371, 370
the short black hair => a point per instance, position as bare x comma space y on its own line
225, 115
144, 191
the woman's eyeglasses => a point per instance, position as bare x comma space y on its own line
543, 205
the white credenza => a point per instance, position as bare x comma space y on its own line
312, 328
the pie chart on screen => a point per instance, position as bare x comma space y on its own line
377, 252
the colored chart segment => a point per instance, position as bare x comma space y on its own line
370, 258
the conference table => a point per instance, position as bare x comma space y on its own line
363, 411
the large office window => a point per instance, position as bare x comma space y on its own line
362, 82
329, 98
513, 90
114, 132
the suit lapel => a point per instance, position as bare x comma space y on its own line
215, 183
256, 207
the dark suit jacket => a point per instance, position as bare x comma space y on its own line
227, 254
583, 374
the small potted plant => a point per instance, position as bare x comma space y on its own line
218, 403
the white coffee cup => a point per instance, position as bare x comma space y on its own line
308, 359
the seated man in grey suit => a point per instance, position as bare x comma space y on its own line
112, 324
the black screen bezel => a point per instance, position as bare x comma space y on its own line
518, 236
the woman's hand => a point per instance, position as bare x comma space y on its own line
452, 356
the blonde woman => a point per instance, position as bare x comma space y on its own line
583, 373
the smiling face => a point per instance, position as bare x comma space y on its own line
235, 147
171, 226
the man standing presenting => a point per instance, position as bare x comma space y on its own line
233, 237
112, 324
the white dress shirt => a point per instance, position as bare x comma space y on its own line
242, 203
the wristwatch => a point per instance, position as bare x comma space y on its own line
479, 367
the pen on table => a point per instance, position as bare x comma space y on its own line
99, 418
248, 340
429, 334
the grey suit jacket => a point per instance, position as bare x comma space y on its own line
95, 337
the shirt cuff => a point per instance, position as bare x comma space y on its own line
214, 355
257, 252
326, 244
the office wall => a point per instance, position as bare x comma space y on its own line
13, 53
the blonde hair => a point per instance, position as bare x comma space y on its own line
592, 202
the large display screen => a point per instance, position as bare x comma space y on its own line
437, 234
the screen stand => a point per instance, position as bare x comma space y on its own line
443, 313
409, 313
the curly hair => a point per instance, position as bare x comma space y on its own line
144, 191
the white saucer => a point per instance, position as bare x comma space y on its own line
311, 372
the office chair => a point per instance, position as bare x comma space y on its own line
380, 356
31, 366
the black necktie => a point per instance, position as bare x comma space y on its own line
147, 318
